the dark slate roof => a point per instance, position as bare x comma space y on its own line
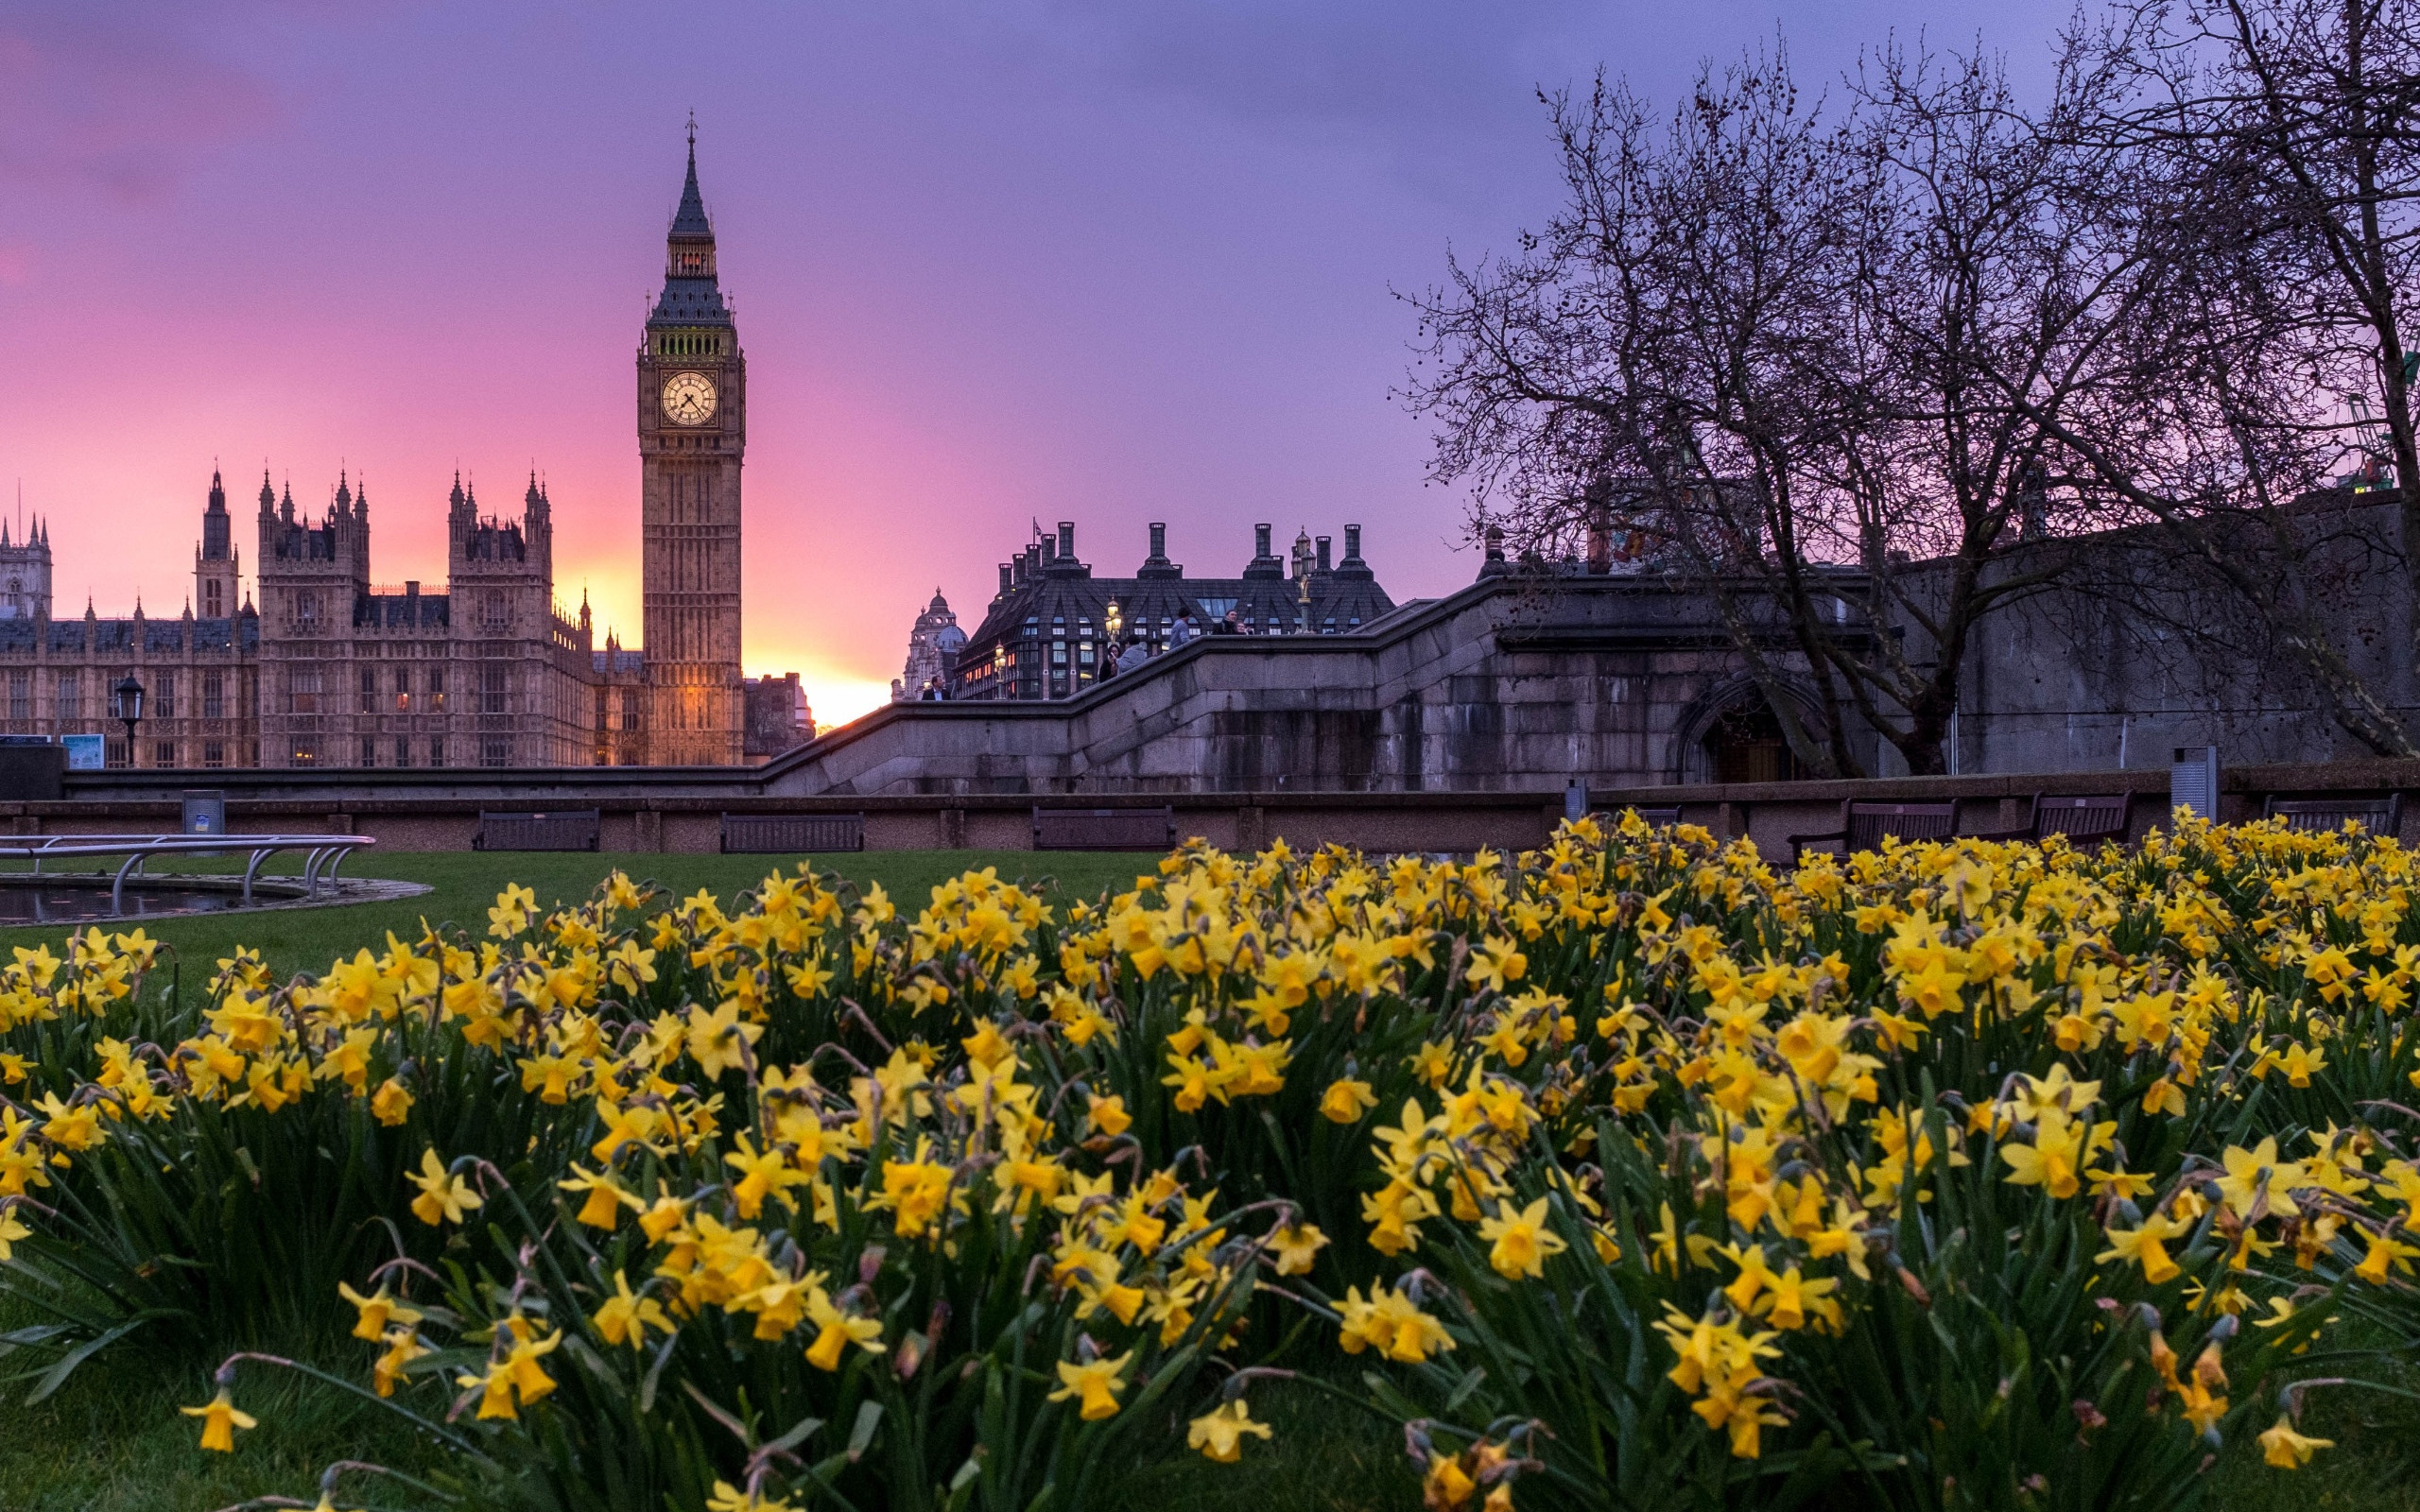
620, 660
402, 610
690, 219
221, 635
160, 637
689, 301
1338, 605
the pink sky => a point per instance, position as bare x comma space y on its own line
993, 261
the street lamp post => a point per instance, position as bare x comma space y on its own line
126, 698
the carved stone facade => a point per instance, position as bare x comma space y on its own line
693, 433
489, 673
933, 645
328, 669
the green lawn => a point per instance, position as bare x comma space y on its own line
465, 883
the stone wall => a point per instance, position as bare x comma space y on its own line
667, 816
2137, 652
1508, 684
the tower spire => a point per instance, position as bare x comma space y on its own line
690, 219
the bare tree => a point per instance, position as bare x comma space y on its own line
2269, 246
1788, 350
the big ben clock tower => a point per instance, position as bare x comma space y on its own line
693, 430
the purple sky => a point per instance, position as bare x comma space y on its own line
993, 260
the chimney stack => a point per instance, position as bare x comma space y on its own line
1352, 543
1067, 540
1263, 563
1004, 577
1323, 562
1157, 563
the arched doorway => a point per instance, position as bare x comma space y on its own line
1745, 744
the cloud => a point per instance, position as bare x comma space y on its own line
118, 97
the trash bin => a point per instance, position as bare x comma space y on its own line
205, 811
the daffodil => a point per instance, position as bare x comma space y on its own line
1347, 1100
2287, 1450
836, 1331
1522, 1241
625, 1317
1219, 1435
219, 1421
443, 1197
376, 1313
1094, 1384
1296, 1244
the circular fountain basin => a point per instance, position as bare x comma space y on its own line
73, 899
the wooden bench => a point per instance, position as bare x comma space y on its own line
545, 830
1865, 826
2379, 816
1104, 828
792, 833
2098, 817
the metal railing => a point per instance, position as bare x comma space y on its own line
323, 854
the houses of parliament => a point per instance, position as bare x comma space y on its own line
319, 667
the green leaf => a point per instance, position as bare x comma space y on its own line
57, 1375
869, 1418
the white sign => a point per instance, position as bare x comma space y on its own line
85, 754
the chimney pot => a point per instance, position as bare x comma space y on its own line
1067, 540
1260, 541
1324, 562
1352, 542
1159, 539
1004, 577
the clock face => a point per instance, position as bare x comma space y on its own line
688, 399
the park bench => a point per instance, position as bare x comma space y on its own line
1865, 826
1152, 829
2379, 816
544, 830
2097, 816
792, 833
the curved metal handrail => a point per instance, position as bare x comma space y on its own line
323, 854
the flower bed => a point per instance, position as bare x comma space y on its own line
1630, 1172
